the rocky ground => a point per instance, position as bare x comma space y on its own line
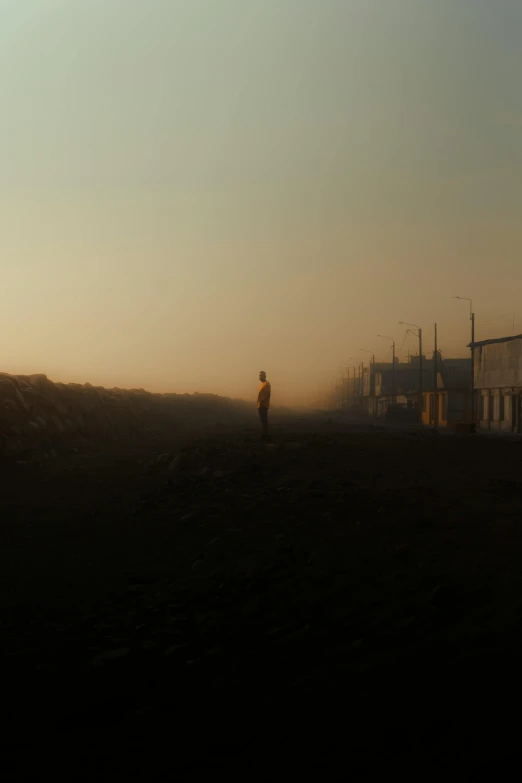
355, 584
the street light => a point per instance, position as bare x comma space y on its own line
353, 380
352, 366
419, 330
372, 391
360, 365
472, 319
393, 365
342, 386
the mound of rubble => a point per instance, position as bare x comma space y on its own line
38, 416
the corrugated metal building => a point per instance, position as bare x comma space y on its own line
498, 383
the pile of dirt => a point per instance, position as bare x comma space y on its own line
38, 417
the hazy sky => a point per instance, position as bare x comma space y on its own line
194, 190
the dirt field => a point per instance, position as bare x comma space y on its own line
361, 585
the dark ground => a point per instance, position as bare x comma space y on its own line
360, 587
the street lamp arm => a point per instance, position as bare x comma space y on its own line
466, 299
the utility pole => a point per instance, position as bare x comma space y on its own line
350, 392
373, 387
394, 388
355, 385
371, 377
341, 388
472, 319
394, 395
420, 375
419, 331
472, 407
435, 383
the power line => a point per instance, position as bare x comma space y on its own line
404, 340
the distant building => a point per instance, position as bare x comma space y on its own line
392, 391
407, 379
349, 392
369, 384
498, 384
450, 404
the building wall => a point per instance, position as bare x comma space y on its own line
498, 365
498, 380
428, 410
498, 410
453, 408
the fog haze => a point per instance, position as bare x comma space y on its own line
192, 191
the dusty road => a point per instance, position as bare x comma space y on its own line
361, 584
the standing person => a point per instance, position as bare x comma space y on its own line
263, 403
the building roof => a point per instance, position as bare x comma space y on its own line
406, 379
461, 363
454, 378
479, 343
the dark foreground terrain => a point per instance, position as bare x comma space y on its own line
337, 589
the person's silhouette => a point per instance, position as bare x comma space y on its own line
263, 403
